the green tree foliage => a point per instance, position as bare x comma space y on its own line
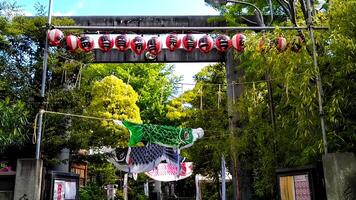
13, 120
69, 87
113, 99
154, 84
21, 42
296, 139
338, 76
205, 106
92, 191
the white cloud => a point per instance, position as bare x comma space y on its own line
80, 4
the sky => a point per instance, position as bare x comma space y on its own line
130, 8
123, 7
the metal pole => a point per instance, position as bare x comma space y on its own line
223, 178
202, 28
125, 186
318, 77
43, 85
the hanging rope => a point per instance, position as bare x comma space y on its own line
34, 136
128, 82
182, 88
161, 97
219, 96
80, 116
287, 89
201, 97
233, 92
254, 94
79, 77
215, 136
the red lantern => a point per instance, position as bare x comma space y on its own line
205, 44
138, 45
106, 43
222, 43
264, 45
72, 42
297, 43
86, 43
238, 42
281, 43
189, 42
55, 37
173, 42
122, 42
154, 45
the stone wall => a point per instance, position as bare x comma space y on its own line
28, 179
340, 176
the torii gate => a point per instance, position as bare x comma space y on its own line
165, 24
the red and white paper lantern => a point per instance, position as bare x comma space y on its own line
173, 42
122, 42
189, 42
154, 45
205, 44
238, 42
72, 42
138, 45
222, 43
86, 43
55, 37
106, 43
281, 43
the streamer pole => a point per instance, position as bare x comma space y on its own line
43, 84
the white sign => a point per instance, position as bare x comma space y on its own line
64, 190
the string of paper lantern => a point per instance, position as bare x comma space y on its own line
154, 45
